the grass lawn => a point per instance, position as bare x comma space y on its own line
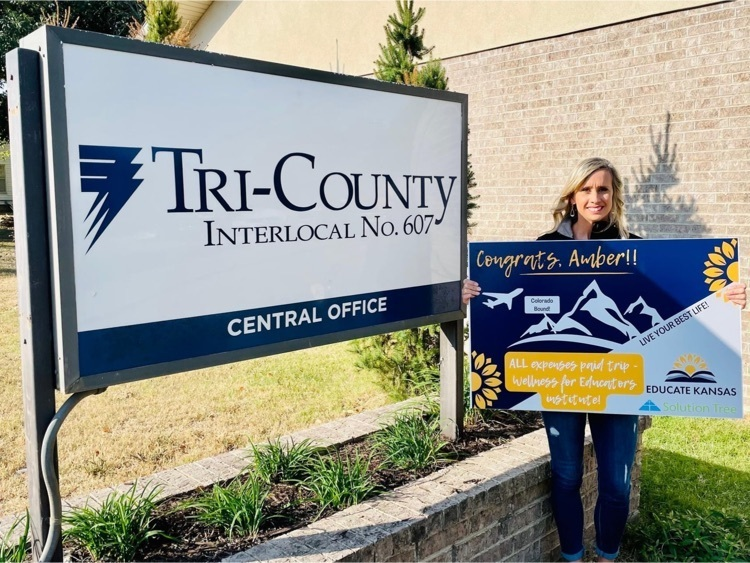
134, 429
698, 463
695, 501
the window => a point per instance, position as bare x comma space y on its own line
3, 184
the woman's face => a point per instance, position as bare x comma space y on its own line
593, 200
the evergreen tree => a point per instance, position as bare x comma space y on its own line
404, 45
162, 20
431, 75
471, 197
394, 64
408, 360
398, 63
402, 29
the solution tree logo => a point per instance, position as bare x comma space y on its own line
109, 172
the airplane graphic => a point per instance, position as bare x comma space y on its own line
501, 298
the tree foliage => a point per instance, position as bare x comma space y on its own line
18, 18
162, 20
407, 361
393, 64
398, 62
404, 46
431, 75
402, 29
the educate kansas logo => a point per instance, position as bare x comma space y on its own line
109, 172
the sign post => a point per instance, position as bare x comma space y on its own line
32, 267
452, 379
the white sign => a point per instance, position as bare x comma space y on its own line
211, 208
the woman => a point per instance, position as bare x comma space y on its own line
591, 206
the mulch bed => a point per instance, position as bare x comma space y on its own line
198, 542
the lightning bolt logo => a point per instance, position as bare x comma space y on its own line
109, 173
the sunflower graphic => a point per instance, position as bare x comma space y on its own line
722, 266
691, 367
485, 381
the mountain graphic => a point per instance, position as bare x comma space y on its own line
642, 316
545, 325
595, 319
567, 323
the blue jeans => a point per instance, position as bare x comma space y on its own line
614, 437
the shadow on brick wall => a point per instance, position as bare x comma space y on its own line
651, 210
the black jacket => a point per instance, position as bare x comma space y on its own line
565, 232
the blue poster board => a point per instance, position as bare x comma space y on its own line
616, 326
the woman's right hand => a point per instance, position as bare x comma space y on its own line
469, 290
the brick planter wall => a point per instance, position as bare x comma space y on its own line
491, 507
666, 98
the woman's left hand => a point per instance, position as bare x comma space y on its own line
736, 292
469, 290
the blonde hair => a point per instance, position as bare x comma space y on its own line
577, 178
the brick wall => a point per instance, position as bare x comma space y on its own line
493, 506
666, 98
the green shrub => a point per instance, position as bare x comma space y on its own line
690, 536
276, 463
411, 442
118, 528
16, 551
338, 483
238, 508
407, 360
162, 19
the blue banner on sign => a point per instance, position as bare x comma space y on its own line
121, 348
619, 326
